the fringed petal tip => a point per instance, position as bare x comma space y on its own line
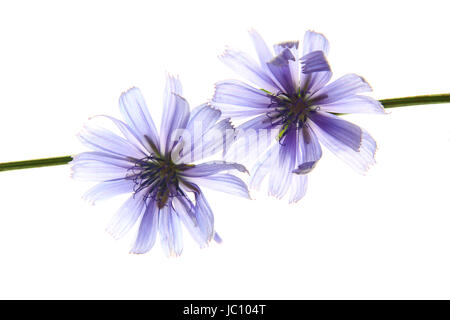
128, 91
288, 44
172, 76
72, 174
295, 192
369, 87
254, 34
171, 254
315, 61
367, 154
229, 124
275, 195
313, 40
377, 106
249, 195
113, 235
210, 102
88, 200
381, 110
226, 52
174, 254
217, 238
207, 242
296, 199
252, 31
137, 252
243, 169
355, 104
370, 163
305, 167
316, 33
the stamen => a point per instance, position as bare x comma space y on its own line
157, 177
290, 112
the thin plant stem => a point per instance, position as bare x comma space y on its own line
36, 163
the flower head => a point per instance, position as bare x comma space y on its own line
165, 189
292, 99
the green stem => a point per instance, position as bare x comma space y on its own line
416, 100
16, 165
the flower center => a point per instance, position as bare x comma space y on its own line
297, 108
289, 112
158, 178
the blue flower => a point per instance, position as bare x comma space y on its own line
165, 188
292, 99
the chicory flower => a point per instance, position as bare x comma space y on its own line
165, 188
291, 97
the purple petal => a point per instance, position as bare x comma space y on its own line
202, 119
234, 95
99, 166
102, 157
299, 185
310, 83
135, 112
218, 138
314, 41
97, 171
265, 56
141, 142
170, 231
252, 138
186, 212
314, 62
223, 182
177, 121
148, 229
281, 173
342, 88
261, 48
204, 216
214, 140
217, 238
244, 65
280, 68
355, 104
305, 167
175, 112
102, 140
343, 140
126, 216
210, 168
238, 112
293, 45
108, 189
294, 65
345, 132
310, 151
262, 168
258, 123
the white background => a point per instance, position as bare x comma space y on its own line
383, 235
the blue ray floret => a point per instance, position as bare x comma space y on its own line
165, 188
291, 96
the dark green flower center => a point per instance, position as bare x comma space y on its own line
158, 177
288, 112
